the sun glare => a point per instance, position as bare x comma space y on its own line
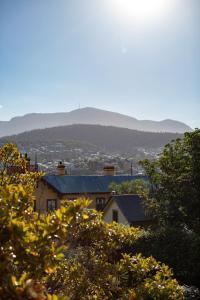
143, 11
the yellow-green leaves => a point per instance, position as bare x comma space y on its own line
71, 252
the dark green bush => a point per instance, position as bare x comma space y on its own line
180, 249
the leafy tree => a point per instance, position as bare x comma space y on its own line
98, 267
174, 197
71, 252
11, 158
137, 186
178, 249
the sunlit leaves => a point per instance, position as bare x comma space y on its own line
14, 168
70, 252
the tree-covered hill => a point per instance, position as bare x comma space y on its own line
104, 137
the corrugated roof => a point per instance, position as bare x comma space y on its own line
85, 184
131, 207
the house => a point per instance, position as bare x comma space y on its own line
51, 189
127, 210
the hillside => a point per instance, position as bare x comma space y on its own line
87, 116
103, 137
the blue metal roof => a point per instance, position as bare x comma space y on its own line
132, 208
85, 184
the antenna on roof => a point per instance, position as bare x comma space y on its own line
36, 162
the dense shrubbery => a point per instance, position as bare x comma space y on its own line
178, 249
97, 268
70, 252
174, 199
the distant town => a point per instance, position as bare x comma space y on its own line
80, 161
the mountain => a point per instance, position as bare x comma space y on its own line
106, 138
87, 115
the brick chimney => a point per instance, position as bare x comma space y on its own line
109, 171
61, 169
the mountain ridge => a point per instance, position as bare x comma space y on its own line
102, 137
87, 115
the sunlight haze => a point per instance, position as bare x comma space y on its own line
139, 58
141, 11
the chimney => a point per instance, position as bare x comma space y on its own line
28, 161
61, 169
109, 171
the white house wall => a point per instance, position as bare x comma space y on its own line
108, 215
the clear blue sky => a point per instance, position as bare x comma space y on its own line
57, 54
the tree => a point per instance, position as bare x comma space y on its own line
174, 196
136, 186
71, 252
98, 265
174, 200
11, 159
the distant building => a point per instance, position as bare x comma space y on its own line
127, 210
51, 189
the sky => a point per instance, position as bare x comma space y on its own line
59, 55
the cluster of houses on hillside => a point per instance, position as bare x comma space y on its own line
86, 159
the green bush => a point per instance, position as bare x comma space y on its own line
177, 248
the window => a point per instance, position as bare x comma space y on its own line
100, 203
34, 205
51, 204
115, 215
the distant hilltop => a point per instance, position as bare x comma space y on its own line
90, 137
87, 115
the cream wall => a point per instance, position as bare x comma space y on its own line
42, 193
108, 215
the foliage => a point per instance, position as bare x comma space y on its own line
11, 157
191, 293
174, 199
137, 186
71, 252
98, 268
177, 248
33, 248
175, 180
